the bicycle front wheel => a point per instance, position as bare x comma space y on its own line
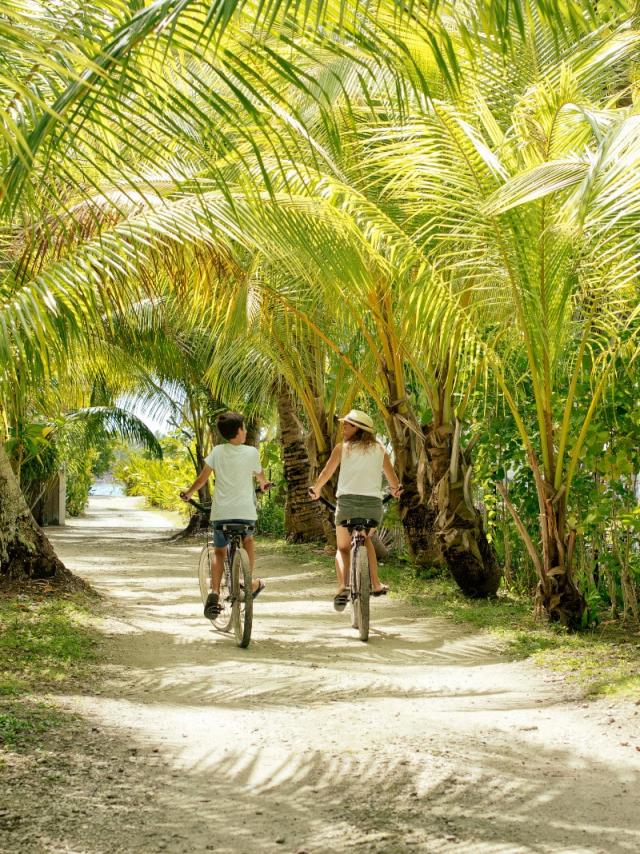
362, 592
242, 600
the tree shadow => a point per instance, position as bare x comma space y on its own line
250, 737
113, 793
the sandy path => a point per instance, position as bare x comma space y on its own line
423, 740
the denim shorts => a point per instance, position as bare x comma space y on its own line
221, 539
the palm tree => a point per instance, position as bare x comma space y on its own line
163, 136
261, 345
25, 552
527, 203
418, 516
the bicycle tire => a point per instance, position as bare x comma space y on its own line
222, 622
242, 600
361, 601
204, 571
353, 587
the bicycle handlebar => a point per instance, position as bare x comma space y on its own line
197, 505
203, 508
388, 497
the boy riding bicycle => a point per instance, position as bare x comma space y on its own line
235, 465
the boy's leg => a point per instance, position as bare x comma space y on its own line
343, 557
212, 605
217, 567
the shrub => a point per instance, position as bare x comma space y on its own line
159, 481
270, 518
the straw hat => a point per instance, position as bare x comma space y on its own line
359, 419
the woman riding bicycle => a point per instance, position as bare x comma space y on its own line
362, 460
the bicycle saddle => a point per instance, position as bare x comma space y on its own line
359, 522
233, 527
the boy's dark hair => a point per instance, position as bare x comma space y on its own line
229, 423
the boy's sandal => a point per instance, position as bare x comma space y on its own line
259, 588
382, 592
212, 607
340, 600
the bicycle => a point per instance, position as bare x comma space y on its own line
359, 581
236, 607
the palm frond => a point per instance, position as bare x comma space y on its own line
115, 421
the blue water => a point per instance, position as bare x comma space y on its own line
106, 488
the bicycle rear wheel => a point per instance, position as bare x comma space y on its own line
362, 591
204, 571
242, 600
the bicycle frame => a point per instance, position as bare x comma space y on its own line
235, 584
358, 581
234, 538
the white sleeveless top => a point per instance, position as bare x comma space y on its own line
361, 470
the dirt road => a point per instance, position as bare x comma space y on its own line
423, 740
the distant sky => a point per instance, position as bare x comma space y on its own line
155, 421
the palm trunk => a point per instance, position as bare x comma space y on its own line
319, 456
199, 521
253, 431
417, 517
204, 493
469, 556
303, 519
557, 594
25, 552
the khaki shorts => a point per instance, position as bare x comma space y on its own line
358, 506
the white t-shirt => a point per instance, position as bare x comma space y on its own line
233, 494
361, 470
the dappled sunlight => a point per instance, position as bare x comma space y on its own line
122, 512
541, 799
422, 740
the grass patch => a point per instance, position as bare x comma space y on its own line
602, 660
22, 722
46, 643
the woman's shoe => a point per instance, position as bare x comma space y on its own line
382, 592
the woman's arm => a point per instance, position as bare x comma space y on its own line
332, 464
389, 472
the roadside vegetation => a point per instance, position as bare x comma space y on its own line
47, 644
433, 216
